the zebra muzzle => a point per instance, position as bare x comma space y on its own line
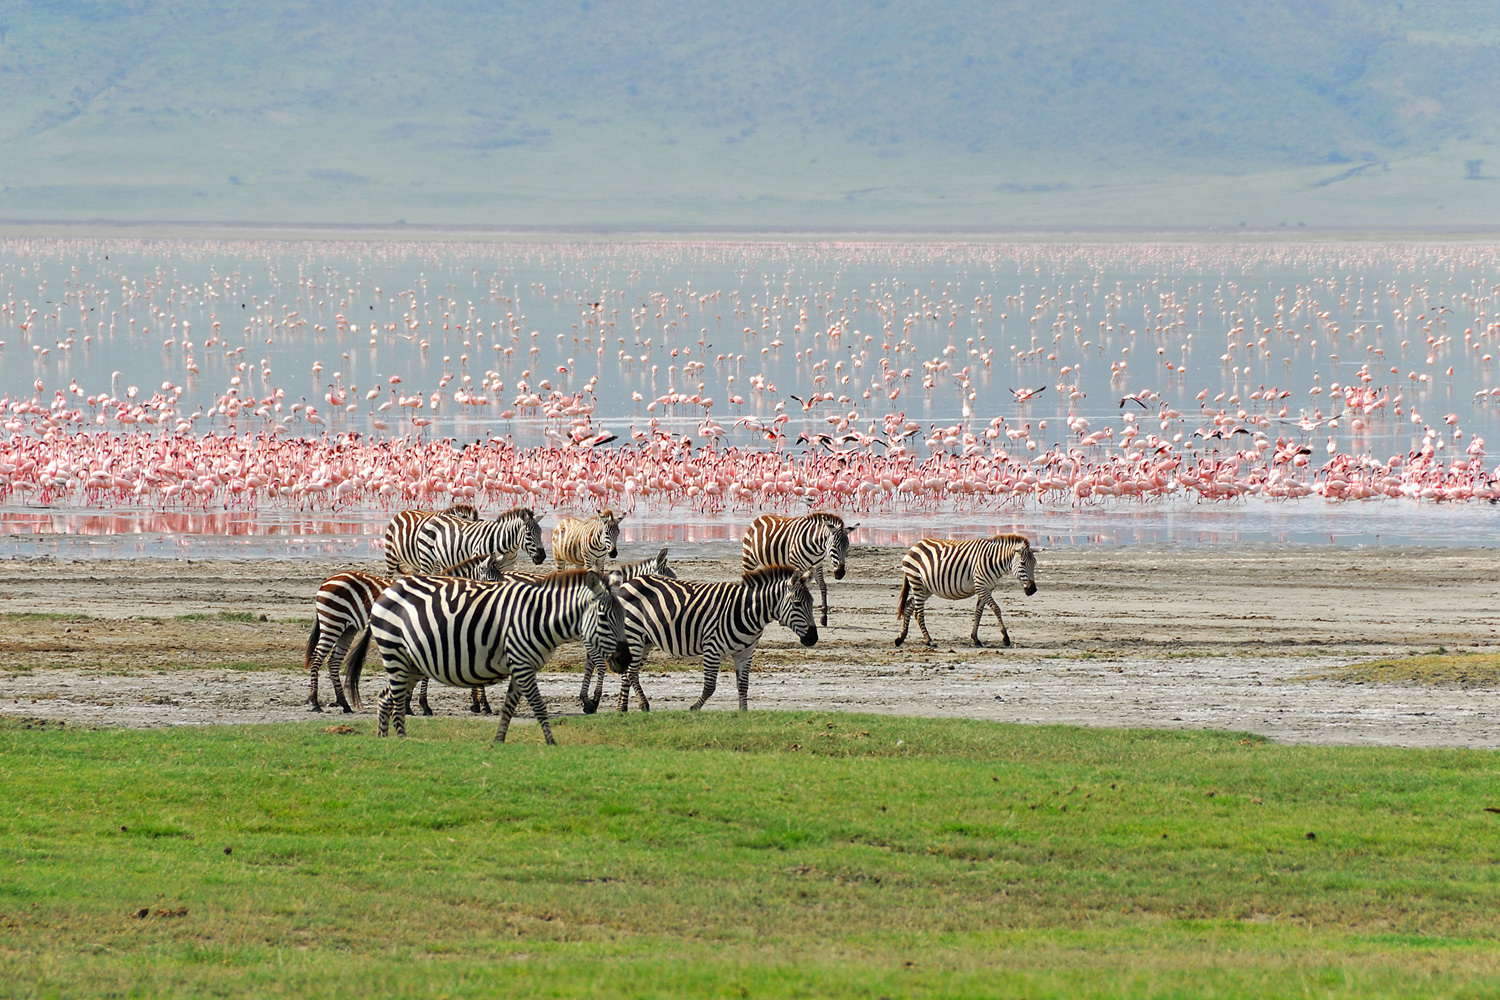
811, 636
1029, 589
839, 571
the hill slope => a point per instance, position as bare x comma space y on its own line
940, 114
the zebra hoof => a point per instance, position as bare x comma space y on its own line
315, 707
900, 639
346, 709
474, 708
977, 641
590, 707
1005, 641
426, 710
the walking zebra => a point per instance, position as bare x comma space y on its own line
341, 613
444, 545
656, 566
954, 570
586, 542
466, 633
712, 620
800, 542
401, 535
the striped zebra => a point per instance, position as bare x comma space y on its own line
586, 542
716, 621
954, 570
801, 542
401, 535
444, 545
655, 566
341, 614
466, 633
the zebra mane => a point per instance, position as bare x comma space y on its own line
1012, 539
516, 513
827, 518
768, 575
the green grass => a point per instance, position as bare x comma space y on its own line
43, 616
785, 854
1439, 667
225, 616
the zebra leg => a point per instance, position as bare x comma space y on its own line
635, 683
905, 623
340, 650
583, 690
422, 700
474, 701
383, 706
978, 613
538, 705
508, 709
822, 590
920, 606
710, 678
742, 676
484, 701
312, 684
1004, 635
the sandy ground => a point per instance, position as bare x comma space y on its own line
1209, 637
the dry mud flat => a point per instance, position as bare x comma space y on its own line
1160, 637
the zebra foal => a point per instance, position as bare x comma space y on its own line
466, 633
954, 570
586, 542
804, 542
716, 621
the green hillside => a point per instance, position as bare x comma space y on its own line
662, 113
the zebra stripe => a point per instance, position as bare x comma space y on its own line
955, 570
586, 542
800, 542
401, 535
465, 633
712, 620
444, 545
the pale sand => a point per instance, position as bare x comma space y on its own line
1210, 637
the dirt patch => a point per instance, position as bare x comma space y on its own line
1213, 637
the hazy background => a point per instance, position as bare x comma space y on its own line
669, 113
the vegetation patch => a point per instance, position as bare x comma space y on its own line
1439, 667
741, 854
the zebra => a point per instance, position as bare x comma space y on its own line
712, 620
955, 570
655, 566
341, 614
401, 535
444, 544
467, 633
801, 542
586, 542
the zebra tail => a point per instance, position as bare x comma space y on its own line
312, 644
905, 591
354, 665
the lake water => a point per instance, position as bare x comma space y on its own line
1363, 349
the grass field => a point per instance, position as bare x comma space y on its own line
741, 855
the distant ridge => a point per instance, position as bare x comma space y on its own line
884, 116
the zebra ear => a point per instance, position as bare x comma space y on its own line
850, 528
661, 560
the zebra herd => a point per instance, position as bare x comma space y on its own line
451, 609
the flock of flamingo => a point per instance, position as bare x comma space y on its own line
245, 376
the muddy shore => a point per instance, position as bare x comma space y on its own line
1210, 637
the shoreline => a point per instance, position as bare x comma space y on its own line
1149, 636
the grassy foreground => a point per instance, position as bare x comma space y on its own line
774, 854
